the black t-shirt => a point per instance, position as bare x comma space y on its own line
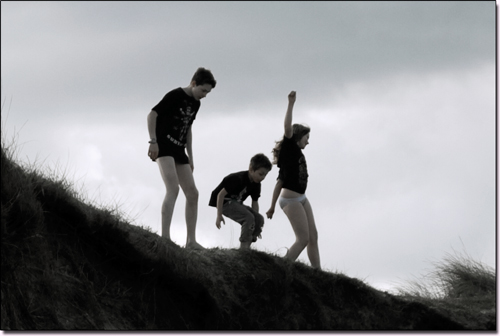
238, 187
176, 113
293, 167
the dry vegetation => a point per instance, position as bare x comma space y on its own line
460, 287
72, 265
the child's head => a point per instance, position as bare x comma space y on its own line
202, 83
299, 132
260, 161
259, 167
203, 76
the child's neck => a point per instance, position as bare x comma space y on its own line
188, 90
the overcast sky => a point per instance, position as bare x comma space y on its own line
400, 98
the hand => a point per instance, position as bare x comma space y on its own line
270, 213
218, 220
291, 97
153, 151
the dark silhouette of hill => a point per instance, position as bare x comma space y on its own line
71, 265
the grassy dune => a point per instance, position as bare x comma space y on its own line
69, 264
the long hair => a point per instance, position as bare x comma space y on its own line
299, 131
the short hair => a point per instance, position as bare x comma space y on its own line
204, 76
260, 161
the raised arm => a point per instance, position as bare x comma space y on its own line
289, 115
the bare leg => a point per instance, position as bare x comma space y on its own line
186, 181
169, 175
312, 246
298, 218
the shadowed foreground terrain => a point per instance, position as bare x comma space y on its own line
67, 264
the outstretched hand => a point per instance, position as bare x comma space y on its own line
291, 97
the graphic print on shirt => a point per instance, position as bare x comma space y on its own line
184, 117
241, 194
303, 172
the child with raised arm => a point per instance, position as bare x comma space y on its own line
169, 126
292, 184
230, 194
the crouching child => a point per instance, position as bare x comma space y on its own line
234, 189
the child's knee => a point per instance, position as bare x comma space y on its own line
313, 234
195, 194
259, 224
248, 217
172, 192
192, 194
303, 239
250, 220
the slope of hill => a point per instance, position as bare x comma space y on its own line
71, 265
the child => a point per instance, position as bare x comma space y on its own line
169, 126
292, 183
230, 194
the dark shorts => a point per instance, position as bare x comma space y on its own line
168, 148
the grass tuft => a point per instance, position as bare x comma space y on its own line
460, 288
456, 276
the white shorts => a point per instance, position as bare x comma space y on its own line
285, 201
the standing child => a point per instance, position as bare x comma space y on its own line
230, 194
292, 183
169, 126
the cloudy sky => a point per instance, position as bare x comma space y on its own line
400, 97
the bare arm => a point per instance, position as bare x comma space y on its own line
289, 114
189, 147
153, 148
255, 206
220, 204
276, 193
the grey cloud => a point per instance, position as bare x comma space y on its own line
128, 54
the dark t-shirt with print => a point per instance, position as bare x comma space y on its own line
176, 113
238, 187
293, 167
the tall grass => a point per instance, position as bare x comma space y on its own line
56, 176
459, 287
457, 275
